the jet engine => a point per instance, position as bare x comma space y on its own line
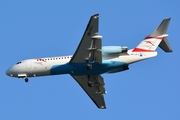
108, 50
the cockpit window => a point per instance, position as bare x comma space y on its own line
18, 62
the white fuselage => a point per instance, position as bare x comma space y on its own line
60, 65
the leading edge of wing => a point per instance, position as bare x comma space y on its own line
81, 52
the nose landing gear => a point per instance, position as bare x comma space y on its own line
23, 76
26, 79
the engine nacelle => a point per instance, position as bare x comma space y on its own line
107, 50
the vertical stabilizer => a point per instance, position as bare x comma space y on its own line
157, 38
161, 29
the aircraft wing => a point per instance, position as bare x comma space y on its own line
89, 48
96, 91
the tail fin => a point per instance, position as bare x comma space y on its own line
157, 38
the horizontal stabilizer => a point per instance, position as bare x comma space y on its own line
164, 45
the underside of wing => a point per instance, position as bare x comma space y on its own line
93, 85
89, 48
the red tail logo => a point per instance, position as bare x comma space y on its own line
150, 42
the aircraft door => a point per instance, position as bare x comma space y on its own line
28, 64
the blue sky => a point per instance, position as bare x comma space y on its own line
40, 28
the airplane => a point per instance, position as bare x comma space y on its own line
91, 60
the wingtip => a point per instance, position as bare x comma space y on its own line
167, 18
102, 107
95, 15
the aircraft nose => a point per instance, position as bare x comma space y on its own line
9, 72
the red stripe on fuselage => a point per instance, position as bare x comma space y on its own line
141, 50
